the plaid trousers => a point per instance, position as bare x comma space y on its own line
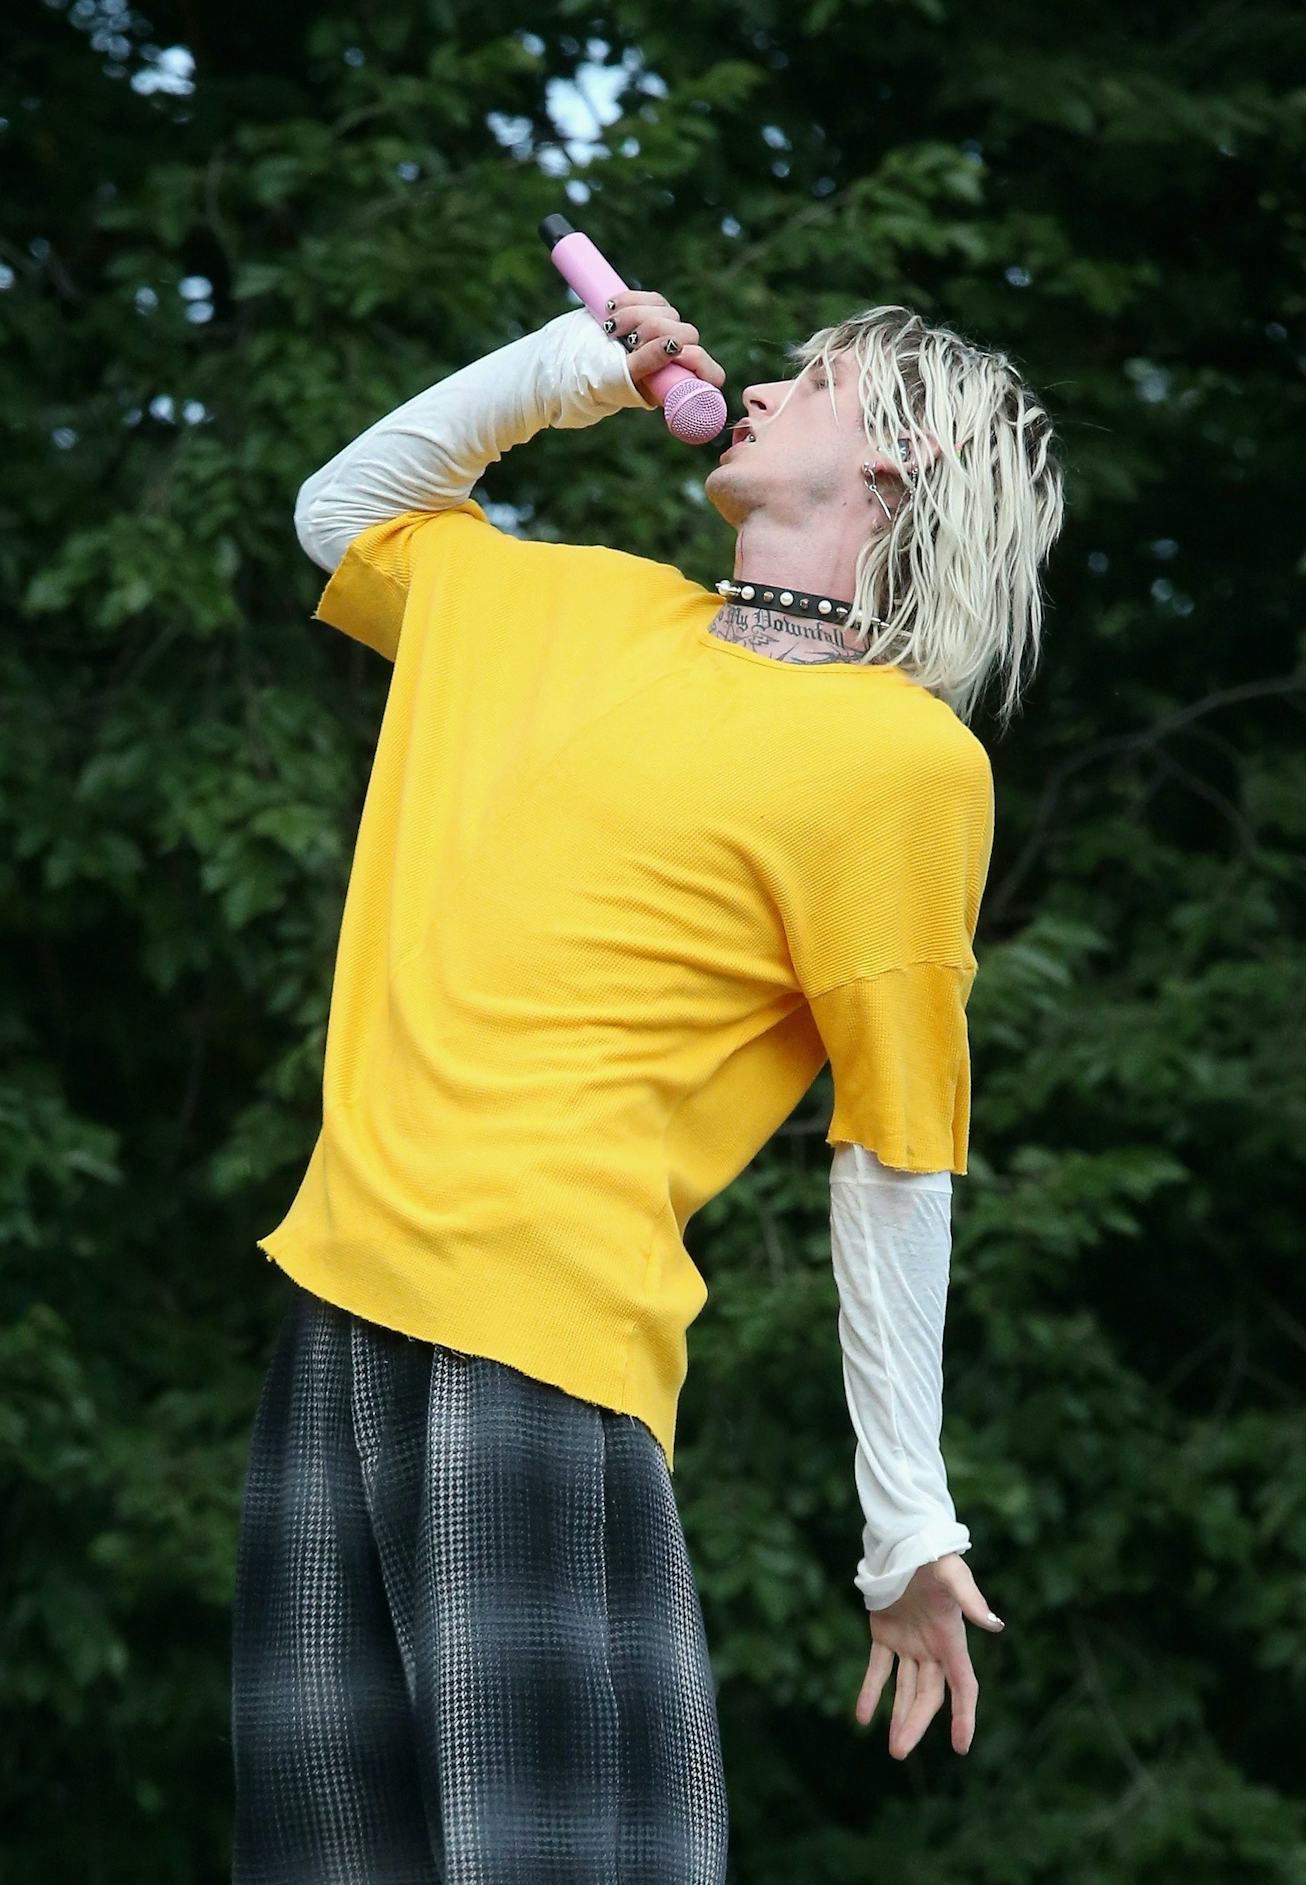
467, 1645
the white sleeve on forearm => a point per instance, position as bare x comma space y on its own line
891, 1241
429, 453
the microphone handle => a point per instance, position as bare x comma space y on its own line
694, 409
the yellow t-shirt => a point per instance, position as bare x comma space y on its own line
620, 890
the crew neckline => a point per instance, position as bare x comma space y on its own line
705, 635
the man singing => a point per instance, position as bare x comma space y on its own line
637, 858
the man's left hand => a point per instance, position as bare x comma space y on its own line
926, 1630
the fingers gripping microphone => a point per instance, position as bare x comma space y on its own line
693, 409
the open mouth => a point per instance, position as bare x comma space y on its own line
742, 433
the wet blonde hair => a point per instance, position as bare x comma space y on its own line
950, 590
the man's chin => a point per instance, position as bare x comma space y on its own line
727, 495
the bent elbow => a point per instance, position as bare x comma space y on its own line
308, 529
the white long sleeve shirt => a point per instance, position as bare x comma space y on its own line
890, 1230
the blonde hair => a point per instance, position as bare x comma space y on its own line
950, 589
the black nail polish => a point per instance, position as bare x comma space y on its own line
610, 305
608, 326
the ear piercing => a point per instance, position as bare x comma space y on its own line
908, 474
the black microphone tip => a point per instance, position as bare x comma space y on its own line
554, 228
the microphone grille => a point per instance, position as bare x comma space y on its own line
695, 412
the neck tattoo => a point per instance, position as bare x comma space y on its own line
804, 642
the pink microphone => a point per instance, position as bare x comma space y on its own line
693, 409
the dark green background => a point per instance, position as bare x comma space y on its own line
1112, 195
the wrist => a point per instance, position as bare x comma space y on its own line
590, 372
885, 1571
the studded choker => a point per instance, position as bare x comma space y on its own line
792, 600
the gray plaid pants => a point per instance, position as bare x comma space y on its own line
467, 1645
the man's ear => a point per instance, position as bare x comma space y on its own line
894, 462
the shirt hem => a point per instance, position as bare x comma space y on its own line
449, 1331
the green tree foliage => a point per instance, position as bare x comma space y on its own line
209, 285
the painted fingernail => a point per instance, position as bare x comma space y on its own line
609, 325
671, 344
995, 1618
609, 305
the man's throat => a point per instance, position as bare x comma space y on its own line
800, 639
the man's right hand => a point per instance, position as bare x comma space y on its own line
653, 321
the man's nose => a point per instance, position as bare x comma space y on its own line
763, 398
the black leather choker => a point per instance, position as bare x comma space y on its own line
791, 600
